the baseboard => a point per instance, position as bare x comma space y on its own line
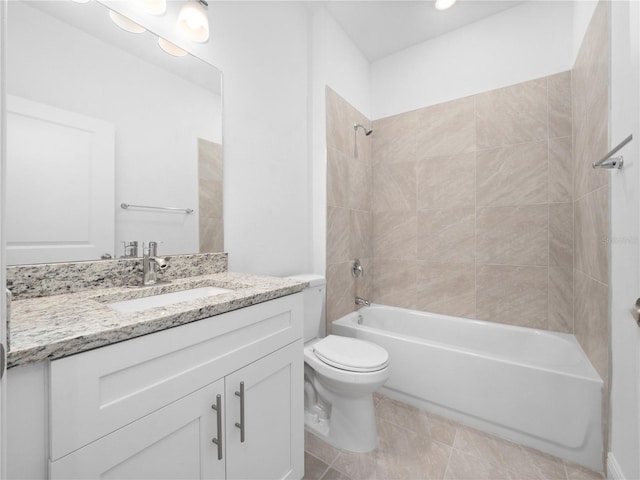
614, 472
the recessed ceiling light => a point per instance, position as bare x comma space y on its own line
444, 4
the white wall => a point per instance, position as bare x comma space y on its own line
528, 41
157, 117
338, 63
624, 445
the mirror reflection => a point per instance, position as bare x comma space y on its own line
97, 117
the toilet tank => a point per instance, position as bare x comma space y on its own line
314, 305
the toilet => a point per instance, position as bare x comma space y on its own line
340, 376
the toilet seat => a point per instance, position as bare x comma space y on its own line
351, 354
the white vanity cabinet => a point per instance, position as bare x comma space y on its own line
142, 408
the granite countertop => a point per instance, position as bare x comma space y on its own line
56, 326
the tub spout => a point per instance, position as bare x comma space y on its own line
362, 301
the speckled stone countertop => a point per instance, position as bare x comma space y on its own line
56, 326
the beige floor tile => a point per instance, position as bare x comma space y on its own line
463, 466
314, 468
320, 449
333, 474
577, 472
416, 420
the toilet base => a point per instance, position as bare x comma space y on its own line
351, 426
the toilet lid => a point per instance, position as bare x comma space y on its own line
351, 354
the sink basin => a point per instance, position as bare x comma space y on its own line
162, 300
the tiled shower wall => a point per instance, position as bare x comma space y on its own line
591, 206
472, 212
349, 221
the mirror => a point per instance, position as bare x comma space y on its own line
97, 117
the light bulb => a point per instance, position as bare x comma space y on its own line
154, 7
444, 4
171, 48
193, 22
126, 23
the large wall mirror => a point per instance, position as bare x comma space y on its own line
98, 117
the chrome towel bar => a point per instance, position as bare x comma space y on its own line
125, 206
615, 162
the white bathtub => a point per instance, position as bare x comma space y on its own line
534, 387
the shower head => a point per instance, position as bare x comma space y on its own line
367, 131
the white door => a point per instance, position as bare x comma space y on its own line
623, 457
273, 442
60, 184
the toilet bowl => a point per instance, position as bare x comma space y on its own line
341, 374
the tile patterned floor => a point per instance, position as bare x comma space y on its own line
416, 445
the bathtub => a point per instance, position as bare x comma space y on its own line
534, 387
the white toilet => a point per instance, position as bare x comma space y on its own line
340, 376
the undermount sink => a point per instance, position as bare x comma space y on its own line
162, 300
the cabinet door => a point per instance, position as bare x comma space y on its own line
273, 445
174, 442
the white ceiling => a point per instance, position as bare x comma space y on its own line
381, 28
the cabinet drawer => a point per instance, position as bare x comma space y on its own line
96, 392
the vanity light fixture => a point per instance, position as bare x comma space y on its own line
81, 1
444, 4
171, 48
126, 23
193, 21
154, 7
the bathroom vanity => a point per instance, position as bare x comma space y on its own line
207, 387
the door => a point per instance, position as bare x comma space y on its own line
268, 407
60, 185
172, 443
623, 458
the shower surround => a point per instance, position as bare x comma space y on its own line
478, 207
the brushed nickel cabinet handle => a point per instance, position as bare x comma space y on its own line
240, 425
218, 440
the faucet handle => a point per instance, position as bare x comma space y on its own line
130, 249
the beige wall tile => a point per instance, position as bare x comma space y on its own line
559, 98
447, 288
340, 292
340, 134
360, 234
512, 235
560, 170
447, 235
359, 185
394, 282
394, 187
337, 235
591, 143
447, 128
337, 179
592, 321
592, 234
394, 138
211, 235
561, 234
448, 181
395, 235
511, 115
512, 175
513, 295
561, 299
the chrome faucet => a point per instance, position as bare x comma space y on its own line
362, 301
151, 263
